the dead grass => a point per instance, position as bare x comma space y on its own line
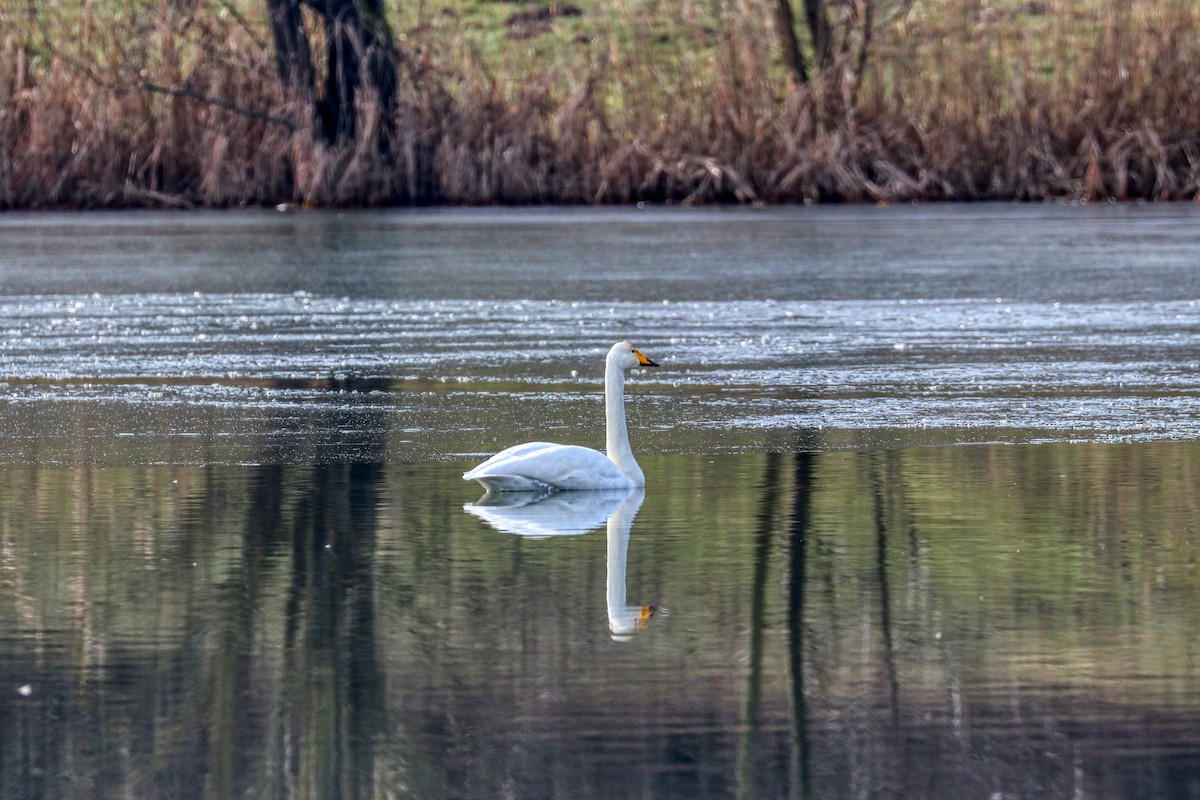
168, 106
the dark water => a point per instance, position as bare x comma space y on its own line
1014, 621
921, 515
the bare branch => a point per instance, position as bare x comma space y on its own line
192, 94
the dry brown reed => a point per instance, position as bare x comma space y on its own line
176, 104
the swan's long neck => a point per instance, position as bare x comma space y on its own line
617, 435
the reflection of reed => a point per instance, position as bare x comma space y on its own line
767, 513
800, 786
231, 665
881, 478
767, 521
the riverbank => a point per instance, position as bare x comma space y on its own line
605, 102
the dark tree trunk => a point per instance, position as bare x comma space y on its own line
818, 28
785, 24
360, 53
293, 58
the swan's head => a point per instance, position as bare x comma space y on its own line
625, 357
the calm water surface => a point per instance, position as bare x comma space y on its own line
237, 558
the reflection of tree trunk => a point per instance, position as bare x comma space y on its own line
335, 712
364, 677
762, 557
229, 720
878, 488
801, 502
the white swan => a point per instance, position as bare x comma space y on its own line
542, 466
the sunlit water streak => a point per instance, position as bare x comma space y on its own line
1107, 371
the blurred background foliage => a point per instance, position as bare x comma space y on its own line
206, 102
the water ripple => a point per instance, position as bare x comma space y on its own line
1126, 369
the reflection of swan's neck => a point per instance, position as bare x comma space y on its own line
617, 436
623, 620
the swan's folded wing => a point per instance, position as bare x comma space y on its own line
528, 467
490, 466
499, 474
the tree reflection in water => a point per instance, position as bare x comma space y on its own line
321, 728
937, 623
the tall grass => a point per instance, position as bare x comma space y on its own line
148, 103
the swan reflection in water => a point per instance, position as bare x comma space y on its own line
538, 516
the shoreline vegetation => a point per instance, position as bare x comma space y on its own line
225, 103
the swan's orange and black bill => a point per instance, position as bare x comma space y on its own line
645, 362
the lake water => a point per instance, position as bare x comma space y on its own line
920, 520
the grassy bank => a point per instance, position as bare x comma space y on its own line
149, 103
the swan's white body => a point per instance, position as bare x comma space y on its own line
543, 466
